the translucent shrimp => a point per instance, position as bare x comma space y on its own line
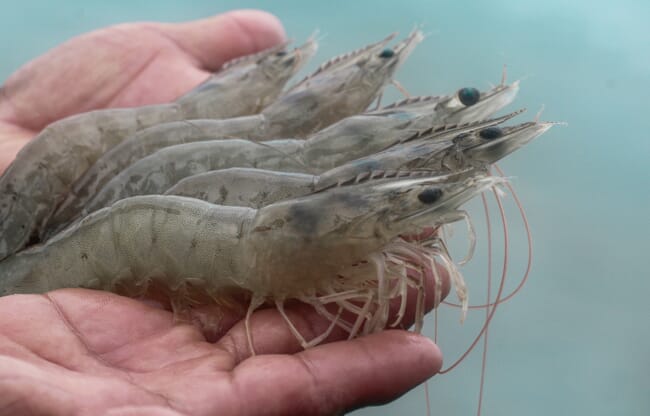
44, 169
196, 251
373, 129
474, 149
158, 172
362, 74
337, 91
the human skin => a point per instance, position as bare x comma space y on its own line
77, 351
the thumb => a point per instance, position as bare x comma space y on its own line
217, 39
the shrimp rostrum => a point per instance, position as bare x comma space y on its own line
183, 243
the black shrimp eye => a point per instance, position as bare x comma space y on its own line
469, 96
281, 53
491, 133
387, 53
429, 196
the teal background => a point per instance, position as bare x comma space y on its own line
576, 340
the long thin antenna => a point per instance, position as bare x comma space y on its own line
499, 293
529, 241
487, 312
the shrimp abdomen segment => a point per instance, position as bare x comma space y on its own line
166, 239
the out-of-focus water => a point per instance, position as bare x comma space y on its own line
577, 339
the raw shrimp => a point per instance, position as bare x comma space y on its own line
188, 246
475, 149
158, 172
256, 188
337, 91
44, 169
371, 131
362, 70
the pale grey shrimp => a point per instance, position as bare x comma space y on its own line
470, 153
342, 61
397, 122
143, 143
337, 92
255, 188
46, 167
470, 104
188, 247
476, 149
350, 138
156, 173
361, 73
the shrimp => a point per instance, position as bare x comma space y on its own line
474, 149
337, 91
191, 247
361, 70
156, 173
44, 169
403, 117
370, 131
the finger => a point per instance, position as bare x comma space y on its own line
218, 39
337, 377
271, 334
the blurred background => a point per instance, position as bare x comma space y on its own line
576, 340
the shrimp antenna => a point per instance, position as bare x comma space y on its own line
539, 114
497, 301
529, 242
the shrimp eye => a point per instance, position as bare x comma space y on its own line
281, 53
387, 53
429, 196
469, 96
491, 133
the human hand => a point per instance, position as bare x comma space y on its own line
77, 351
81, 351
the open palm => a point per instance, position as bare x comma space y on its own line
92, 352
78, 351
